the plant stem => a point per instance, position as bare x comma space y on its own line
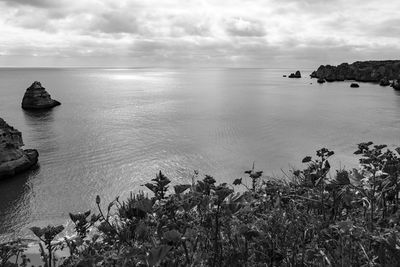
216, 237
49, 251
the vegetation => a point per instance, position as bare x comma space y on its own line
313, 218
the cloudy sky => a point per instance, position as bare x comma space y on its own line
234, 33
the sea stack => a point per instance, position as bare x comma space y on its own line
354, 85
13, 159
295, 75
36, 97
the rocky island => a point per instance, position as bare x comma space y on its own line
297, 74
36, 97
13, 159
362, 71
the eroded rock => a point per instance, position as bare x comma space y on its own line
36, 97
297, 74
362, 71
396, 84
354, 85
384, 82
13, 159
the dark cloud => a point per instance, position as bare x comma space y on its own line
35, 3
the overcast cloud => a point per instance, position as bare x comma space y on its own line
256, 33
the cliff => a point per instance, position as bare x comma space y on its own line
36, 97
13, 159
363, 71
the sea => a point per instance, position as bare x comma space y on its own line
117, 128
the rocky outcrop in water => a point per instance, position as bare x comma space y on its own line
36, 97
396, 85
13, 159
384, 82
362, 71
295, 75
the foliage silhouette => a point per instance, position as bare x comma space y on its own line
317, 217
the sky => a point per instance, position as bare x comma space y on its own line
189, 33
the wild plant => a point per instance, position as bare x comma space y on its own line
47, 235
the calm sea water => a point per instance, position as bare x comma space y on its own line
117, 127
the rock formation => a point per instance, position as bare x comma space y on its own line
363, 71
36, 97
396, 84
295, 75
354, 85
384, 82
13, 159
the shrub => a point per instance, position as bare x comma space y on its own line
316, 218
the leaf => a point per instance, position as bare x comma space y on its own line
37, 231
306, 159
150, 186
95, 218
256, 175
110, 206
325, 257
248, 232
161, 179
345, 225
380, 146
342, 178
87, 213
234, 202
156, 255
50, 232
296, 173
145, 205
237, 181
190, 234
173, 236
327, 165
222, 192
74, 217
357, 176
181, 188
141, 230
209, 180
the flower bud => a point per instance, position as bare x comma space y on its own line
97, 199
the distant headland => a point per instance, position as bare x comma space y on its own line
381, 72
